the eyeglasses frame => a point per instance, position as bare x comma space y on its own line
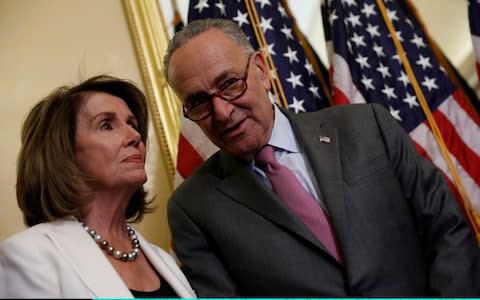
218, 93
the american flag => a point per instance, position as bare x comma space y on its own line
367, 67
300, 79
474, 19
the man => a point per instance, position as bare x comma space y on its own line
390, 226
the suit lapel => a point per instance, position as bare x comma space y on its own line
241, 185
320, 145
87, 259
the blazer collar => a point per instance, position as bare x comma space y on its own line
87, 259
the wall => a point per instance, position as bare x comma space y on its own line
48, 43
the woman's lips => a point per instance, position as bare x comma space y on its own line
136, 158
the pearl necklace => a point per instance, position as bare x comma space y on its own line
105, 245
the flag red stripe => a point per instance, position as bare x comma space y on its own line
478, 69
463, 154
421, 150
188, 158
424, 137
467, 107
339, 97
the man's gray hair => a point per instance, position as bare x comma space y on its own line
194, 28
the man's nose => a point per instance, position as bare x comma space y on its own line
221, 109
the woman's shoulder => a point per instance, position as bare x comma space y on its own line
33, 234
33, 237
30, 247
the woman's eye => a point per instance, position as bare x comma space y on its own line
134, 126
106, 126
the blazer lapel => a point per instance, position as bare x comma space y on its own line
241, 185
87, 259
165, 270
321, 148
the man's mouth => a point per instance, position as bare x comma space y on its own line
233, 130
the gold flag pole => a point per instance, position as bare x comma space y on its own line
150, 35
430, 119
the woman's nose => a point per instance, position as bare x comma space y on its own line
133, 136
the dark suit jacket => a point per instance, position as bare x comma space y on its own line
399, 228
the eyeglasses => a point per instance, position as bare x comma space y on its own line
201, 106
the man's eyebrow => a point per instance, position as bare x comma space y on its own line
222, 77
216, 82
219, 79
195, 95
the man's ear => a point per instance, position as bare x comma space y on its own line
262, 67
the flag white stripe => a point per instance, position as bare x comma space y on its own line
468, 131
424, 137
343, 80
422, 134
195, 136
476, 46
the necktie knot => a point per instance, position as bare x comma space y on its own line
289, 189
266, 155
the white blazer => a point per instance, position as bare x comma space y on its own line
60, 260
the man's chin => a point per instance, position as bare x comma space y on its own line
241, 151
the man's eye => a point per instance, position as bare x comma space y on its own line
228, 83
196, 101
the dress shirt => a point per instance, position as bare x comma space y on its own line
288, 153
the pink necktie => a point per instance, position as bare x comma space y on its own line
288, 188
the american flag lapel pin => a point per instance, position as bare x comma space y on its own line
324, 139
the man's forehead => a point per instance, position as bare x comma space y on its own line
214, 40
212, 57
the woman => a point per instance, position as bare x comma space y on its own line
81, 171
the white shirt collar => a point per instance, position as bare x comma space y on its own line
282, 133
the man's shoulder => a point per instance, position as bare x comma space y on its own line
203, 175
209, 166
211, 173
353, 108
340, 114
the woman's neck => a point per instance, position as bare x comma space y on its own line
106, 213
